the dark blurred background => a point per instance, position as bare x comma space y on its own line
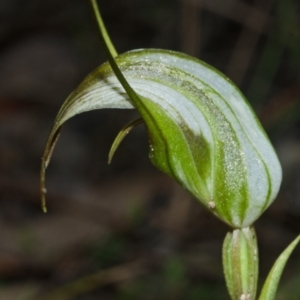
126, 231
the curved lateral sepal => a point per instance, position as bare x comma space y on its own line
121, 135
270, 286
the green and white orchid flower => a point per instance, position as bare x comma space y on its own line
203, 133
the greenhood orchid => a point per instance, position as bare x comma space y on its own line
202, 132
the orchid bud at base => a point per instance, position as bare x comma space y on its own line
240, 263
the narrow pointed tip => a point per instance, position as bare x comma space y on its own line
110, 155
44, 207
43, 194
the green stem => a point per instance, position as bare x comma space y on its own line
106, 39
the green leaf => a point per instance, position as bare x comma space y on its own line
202, 131
270, 287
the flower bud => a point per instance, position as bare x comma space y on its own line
240, 263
